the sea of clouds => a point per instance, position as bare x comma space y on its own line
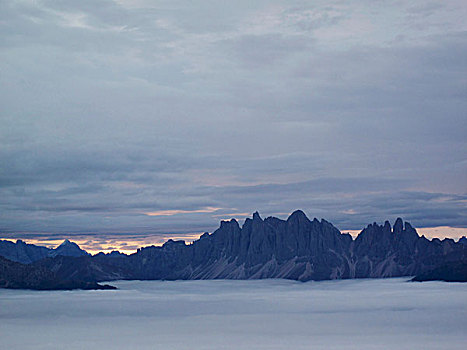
263, 314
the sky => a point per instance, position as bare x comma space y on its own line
165, 117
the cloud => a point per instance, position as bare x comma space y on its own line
175, 212
112, 109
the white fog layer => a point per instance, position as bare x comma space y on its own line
263, 314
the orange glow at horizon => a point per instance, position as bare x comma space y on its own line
124, 244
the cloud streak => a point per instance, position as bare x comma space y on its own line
175, 211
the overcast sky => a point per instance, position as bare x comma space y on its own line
168, 116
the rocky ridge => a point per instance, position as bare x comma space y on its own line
25, 253
296, 248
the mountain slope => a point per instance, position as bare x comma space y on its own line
15, 275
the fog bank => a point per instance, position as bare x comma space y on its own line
264, 314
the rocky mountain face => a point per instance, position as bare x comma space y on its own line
379, 251
296, 248
27, 253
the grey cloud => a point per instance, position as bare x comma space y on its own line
111, 110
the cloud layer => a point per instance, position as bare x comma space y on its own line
224, 314
355, 112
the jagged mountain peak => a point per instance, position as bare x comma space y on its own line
398, 225
229, 222
204, 235
68, 248
256, 216
298, 215
172, 242
67, 242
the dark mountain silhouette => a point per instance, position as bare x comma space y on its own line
27, 253
15, 275
85, 268
454, 271
68, 248
23, 252
296, 248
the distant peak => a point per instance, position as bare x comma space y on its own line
228, 222
67, 242
398, 225
68, 248
298, 212
298, 215
172, 242
387, 227
256, 216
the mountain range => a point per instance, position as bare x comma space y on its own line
296, 248
27, 253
